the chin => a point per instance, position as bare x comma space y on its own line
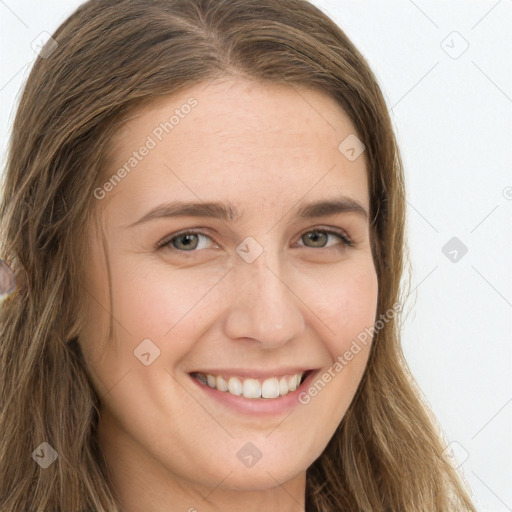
262, 478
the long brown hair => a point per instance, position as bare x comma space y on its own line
111, 57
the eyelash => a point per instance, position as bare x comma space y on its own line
345, 240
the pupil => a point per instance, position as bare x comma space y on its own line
314, 236
187, 240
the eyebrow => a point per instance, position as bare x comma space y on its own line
227, 212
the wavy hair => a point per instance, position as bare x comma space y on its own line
113, 56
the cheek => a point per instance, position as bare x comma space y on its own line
346, 303
159, 302
163, 304
172, 307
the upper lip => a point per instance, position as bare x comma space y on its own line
256, 373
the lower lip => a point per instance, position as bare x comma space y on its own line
259, 406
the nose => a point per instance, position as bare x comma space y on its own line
264, 306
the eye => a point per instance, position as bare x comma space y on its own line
189, 241
320, 236
185, 242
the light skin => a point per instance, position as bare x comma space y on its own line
267, 149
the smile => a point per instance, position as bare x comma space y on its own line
272, 387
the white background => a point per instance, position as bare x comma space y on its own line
452, 112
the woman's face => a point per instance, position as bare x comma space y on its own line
248, 299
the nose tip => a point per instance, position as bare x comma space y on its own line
264, 308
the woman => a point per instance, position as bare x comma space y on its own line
204, 207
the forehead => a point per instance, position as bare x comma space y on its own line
251, 142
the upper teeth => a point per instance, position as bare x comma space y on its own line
253, 388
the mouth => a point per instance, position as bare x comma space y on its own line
253, 388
